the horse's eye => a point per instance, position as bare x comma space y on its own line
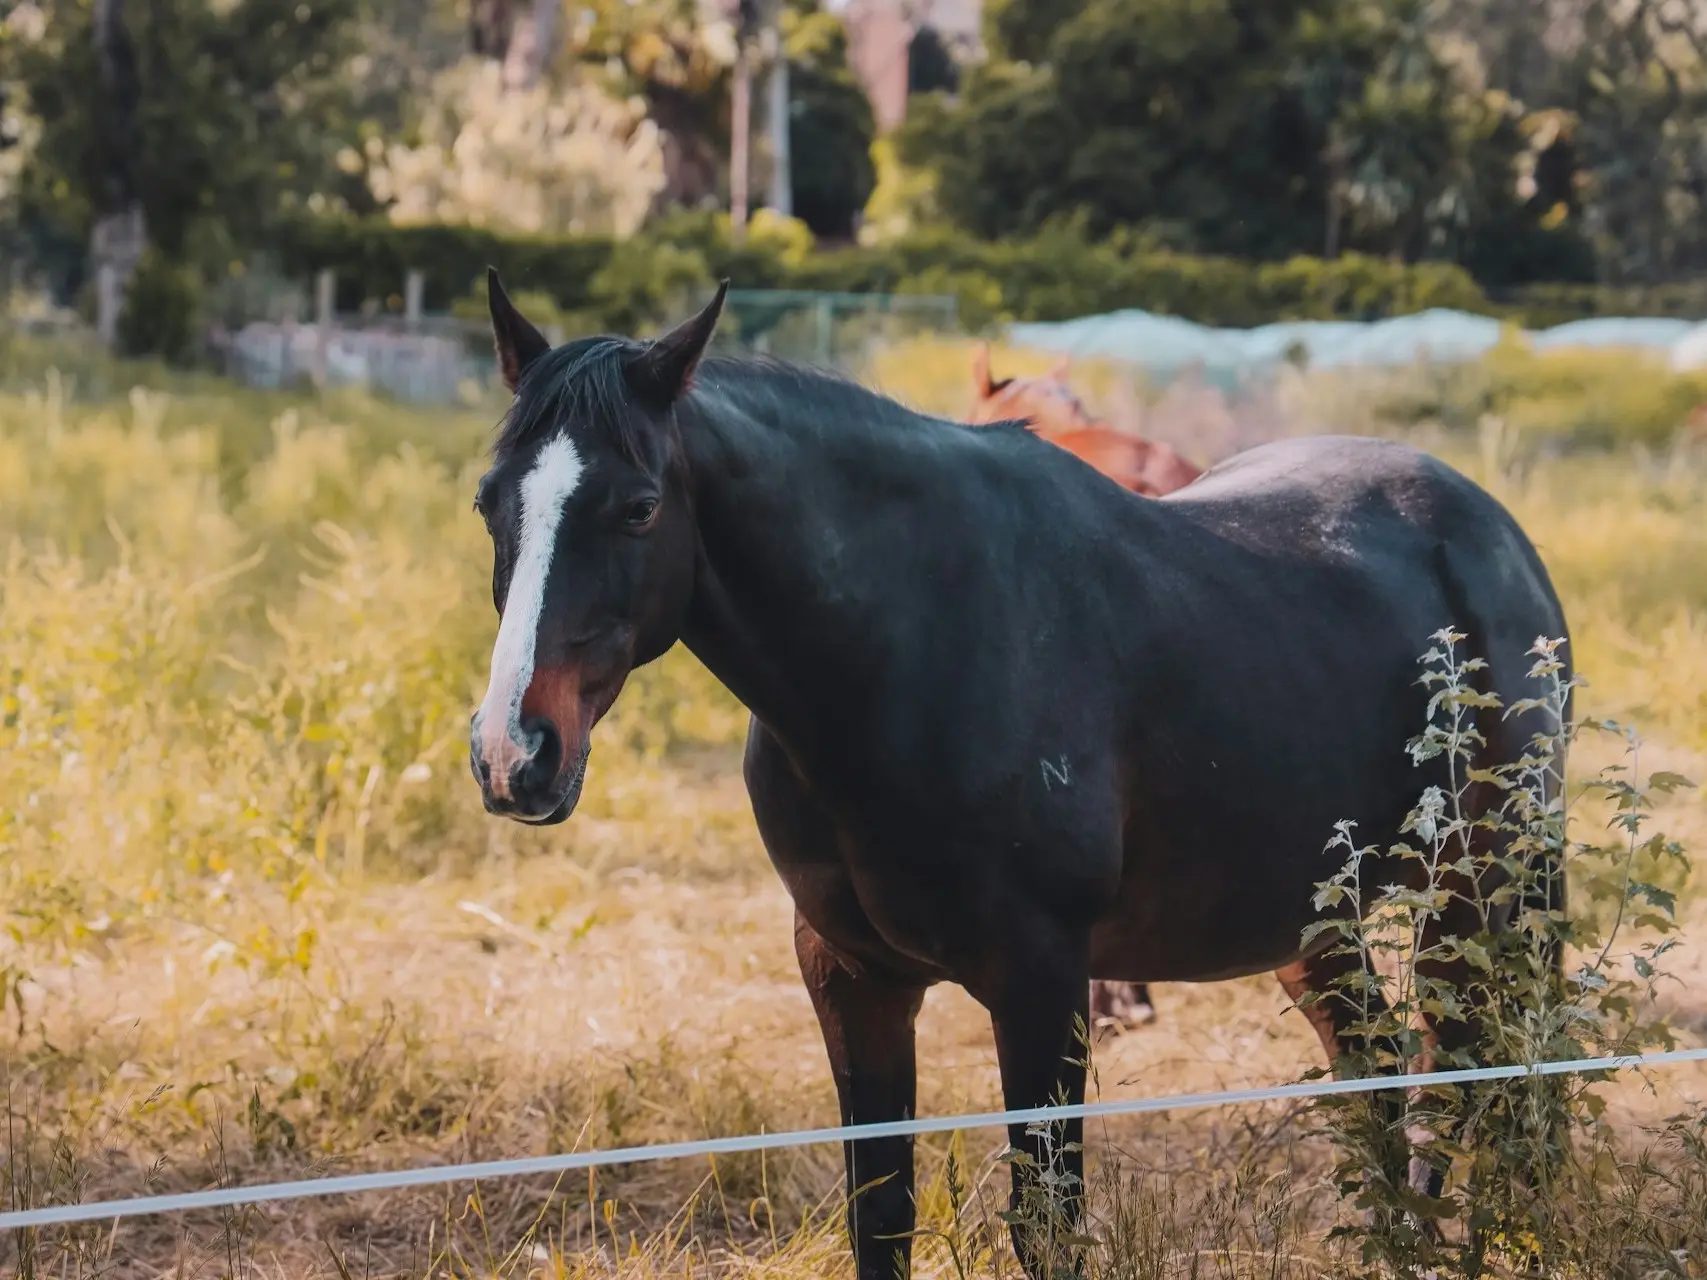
640, 513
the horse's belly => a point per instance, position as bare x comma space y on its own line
1233, 894
1207, 951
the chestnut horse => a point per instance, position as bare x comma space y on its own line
1049, 407
1012, 727
1052, 411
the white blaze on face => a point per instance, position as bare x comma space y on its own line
545, 490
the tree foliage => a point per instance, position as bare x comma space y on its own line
242, 109
830, 123
930, 65
1524, 140
1182, 115
1635, 87
1527, 139
553, 158
665, 52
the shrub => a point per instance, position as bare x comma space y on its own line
1570, 397
162, 311
1059, 274
1557, 985
372, 258
1541, 306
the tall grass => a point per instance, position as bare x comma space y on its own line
240, 636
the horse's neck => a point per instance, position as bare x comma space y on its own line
783, 591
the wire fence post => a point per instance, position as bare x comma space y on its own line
826, 332
414, 286
324, 295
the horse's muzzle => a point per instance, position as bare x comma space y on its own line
527, 781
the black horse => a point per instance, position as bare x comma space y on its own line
1013, 726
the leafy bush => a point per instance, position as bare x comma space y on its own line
1059, 274
1543, 305
372, 259
162, 311
1558, 983
1560, 397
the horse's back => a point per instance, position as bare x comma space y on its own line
1358, 496
1324, 473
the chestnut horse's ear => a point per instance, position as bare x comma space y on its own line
981, 385
518, 343
665, 369
1058, 370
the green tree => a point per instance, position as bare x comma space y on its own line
667, 53
1258, 128
930, 66
239, 113
830, 123
1409, 138
1021, 30
1179, 114
1636, 86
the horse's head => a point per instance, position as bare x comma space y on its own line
1047, 403
594, 546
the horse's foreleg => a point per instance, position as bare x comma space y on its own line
1038, 997
867, 1020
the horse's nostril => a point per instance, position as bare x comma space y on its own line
542, 767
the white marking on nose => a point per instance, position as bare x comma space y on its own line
545, 489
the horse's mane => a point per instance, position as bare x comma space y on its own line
828, 401
584, 381
1054, 390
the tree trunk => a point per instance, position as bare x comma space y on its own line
740, 128
1336, 197
532, 45
490, 25
119, 235
777, 121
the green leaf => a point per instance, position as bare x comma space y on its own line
1668, 782
1317, 928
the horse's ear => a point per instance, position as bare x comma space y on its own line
517, 342
1059, 369
664, 371
981, 370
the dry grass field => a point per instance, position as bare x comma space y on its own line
253, 923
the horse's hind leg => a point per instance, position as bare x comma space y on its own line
1120, 1006
1335, 1016
1454, 1042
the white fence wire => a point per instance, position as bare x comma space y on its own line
390, 1180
